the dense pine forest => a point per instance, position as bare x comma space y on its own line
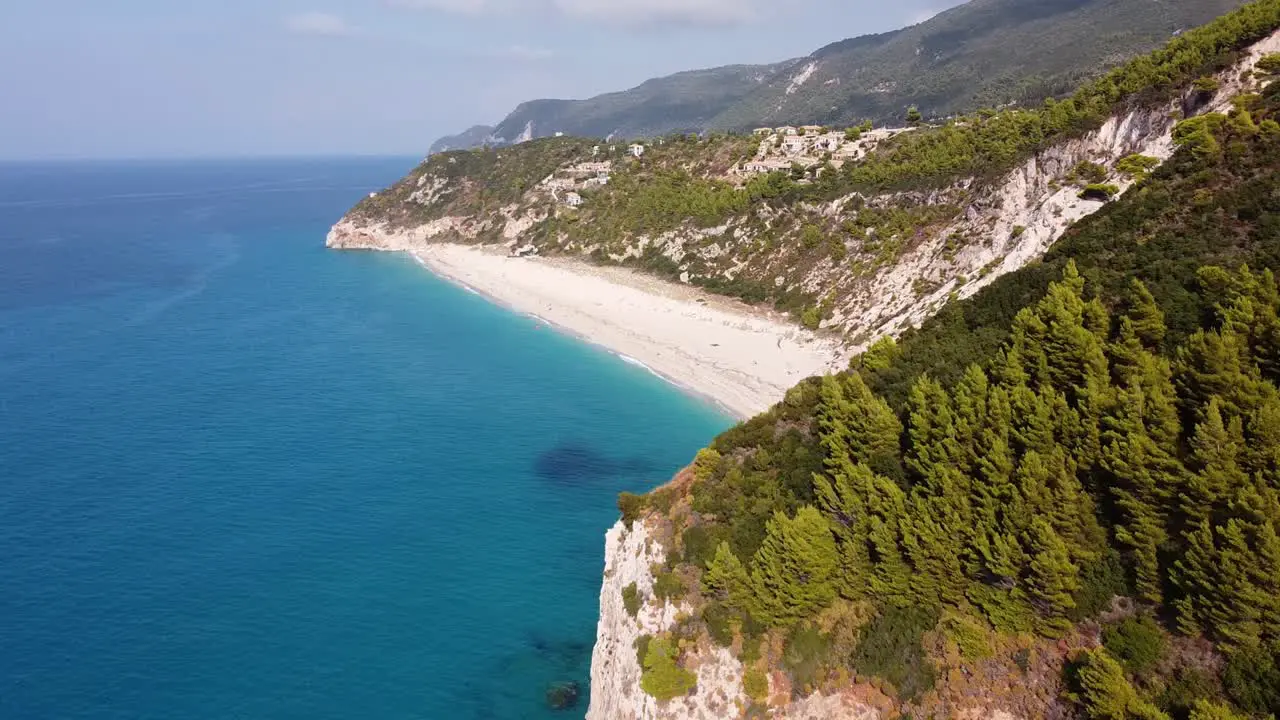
1074, 475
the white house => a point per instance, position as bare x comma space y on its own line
762, 132
794, 144
830, 142
767, 165
811, 129
637, 150
573, 199
787, 130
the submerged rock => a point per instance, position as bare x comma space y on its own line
563, 695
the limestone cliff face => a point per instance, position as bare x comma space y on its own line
615, 669
1017, 220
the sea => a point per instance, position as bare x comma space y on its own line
245, 476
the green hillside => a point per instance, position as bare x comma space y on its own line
985, 53
1061, 495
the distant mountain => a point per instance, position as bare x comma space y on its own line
474, 136
982, 53
985, 53
684, 101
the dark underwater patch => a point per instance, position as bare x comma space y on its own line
577, 463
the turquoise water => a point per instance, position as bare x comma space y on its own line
245, 476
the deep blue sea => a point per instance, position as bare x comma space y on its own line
243, 476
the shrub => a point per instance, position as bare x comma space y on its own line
631, 506
1087, 173
968, 634
700, 543
810, 236
1136, 166
1252, 679
805, 655
1017, 231
1099, 583
631, 599
1137, 642
1022, 658
1187, 687
663, 678
1269, 64
891, 649
1099, 191
642, 648
1101, 687
1207, 84
719, 621
811, 318
667, 586
755, 683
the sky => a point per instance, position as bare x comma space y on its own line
216, 78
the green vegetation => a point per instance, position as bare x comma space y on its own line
631, 599
1252, 679
1105, 423
1105, 693
1099, 191
662, 677
989, 144
1137, 642
631, 506
981, 54
1136, 166
890, 649
755, 683
1269, 64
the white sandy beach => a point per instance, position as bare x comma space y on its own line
708, 345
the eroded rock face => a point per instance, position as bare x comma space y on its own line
615, 670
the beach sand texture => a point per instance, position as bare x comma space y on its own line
737, 357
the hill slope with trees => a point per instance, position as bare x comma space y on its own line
985, 53
1071, 479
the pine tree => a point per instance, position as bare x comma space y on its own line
857, 424
1261, 456
1145, 316
932, 430
1105, 692
890, 573
931, 540
728, 579
795, 568
1215, 452
1142, 475
1049, 488
842, 497
1051, 577
1205, 710
1229, 575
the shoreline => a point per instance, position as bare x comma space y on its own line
718, 350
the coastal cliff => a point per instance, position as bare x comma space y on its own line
825, 559
861, 264
630, 555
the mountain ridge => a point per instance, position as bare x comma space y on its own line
984, 53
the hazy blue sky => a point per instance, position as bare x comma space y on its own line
147, 78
